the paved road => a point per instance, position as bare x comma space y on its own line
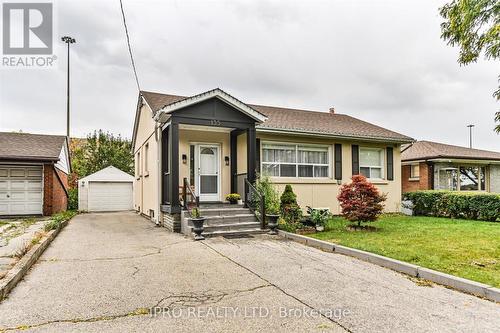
104, 272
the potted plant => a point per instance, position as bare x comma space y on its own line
233, 198
272, 216
198, 221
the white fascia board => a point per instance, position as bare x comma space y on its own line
326, 135
225, 97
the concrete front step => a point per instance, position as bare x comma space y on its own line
239, 232
219, 220
224, 211
232, 226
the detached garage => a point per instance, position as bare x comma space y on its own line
107, 190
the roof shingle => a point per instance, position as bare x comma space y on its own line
286, 119
424, 150
25, 146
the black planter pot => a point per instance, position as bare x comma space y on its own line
233, 202
198, 228
272, 223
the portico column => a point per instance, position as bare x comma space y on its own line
174, 167
251, 154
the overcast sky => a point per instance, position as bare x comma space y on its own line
380, 61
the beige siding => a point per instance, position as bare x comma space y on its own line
146, 186
323, 192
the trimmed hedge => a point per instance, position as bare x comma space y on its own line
468, 205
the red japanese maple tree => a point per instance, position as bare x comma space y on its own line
360, 200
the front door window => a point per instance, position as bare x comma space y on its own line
208, 171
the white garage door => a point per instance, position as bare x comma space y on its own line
109, 196
21, 191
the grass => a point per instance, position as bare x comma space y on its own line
465, 248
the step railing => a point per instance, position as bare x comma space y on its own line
256, 202
186, 187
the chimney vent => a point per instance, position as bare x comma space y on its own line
332, 110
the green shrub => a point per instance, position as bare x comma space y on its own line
290, 227
289, 208
288, 197
271, 197
57, 219
467, 205
73, 199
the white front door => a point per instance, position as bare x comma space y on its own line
21, 191
208, 172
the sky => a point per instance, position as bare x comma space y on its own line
380, 61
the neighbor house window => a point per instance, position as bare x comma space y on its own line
415, 170
462, 178
371, 161
472, 178
295, 160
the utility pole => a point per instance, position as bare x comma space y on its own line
68, 40
470, 135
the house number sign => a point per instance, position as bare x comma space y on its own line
215, 122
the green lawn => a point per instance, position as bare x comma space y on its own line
469, 249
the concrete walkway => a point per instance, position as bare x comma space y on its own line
104, 272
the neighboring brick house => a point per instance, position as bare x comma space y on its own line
34, 172
430, 165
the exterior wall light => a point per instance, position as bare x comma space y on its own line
226, 159
184, 158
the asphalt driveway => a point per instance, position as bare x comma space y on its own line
105, 272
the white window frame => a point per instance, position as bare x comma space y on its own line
138, 165
296, 163
381, 166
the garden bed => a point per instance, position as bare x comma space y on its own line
463, 248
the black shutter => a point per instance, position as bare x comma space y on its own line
257, 154
355, 160
338, 161
390, 164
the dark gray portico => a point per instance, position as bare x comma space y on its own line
211, 110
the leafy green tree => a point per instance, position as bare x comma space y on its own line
474, 26
100, 150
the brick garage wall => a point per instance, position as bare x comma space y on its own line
55, 182
423, 183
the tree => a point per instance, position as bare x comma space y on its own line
101, 150
474, 26
290, 209
360, 200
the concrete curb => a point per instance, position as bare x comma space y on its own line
20, 269
461, 284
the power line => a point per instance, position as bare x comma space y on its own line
129, 48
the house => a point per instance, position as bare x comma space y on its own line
106, 190
215, 142
34, 172
430, 165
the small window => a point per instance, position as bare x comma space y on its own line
414, 171
146, 154
371, 161
138, 165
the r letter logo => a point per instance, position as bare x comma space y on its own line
27, 28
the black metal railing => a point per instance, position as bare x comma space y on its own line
256, 202
186, 187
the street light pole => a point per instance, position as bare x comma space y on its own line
470, 135
68, 40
